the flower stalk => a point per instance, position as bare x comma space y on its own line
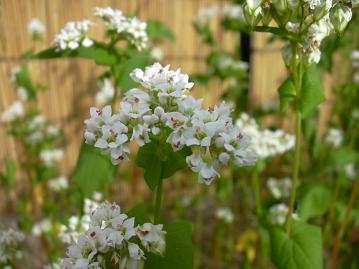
297, 77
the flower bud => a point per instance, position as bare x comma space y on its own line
252, 14
340, 16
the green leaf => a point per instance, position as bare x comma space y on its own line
179, 248
312, 93
160, 161
97, 52
93, 170
315, 202
157, 30
10, 173
122, 70
302, 250
286, 93
339, 157
139, 212
23, 79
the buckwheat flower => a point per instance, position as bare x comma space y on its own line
152, 237
278, 214
340, 16
22, 94
58, 184
106, 93
15, 111
265, 143
42, 227
233, 12
157, 54
74, 35
35, 27
50, 157
10, 245
164, 103
351, 171
113, 237
205, 15
334, 137
225, 214
279, 188
129, 28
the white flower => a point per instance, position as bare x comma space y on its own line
130, 28
233, 12
22, 94
35, 26
157, 54
106, 93
265, 143
10, 244
351, 171
58, 184
112, 235
164, 104
42, 227
15, 111
74, 35
334, 137
279, 188
152, 237
340, 16
50, 157
278, 214
225, 214
205, 15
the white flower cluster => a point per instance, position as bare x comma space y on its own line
334, 137
58, 184
227, 62
205, 15
225, 214
165, 103
278, 214
39, 130
14, 112
51, 157
351, 171
130, 28
42, 227
74, 35
280, 188
113, 235
35, 27
78, 225
106, 93
10, 241
265, 143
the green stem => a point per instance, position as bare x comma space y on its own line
158, 202
257, 192
297, 76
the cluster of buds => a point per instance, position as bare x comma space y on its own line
74, 35
113, 237
164, 110
308, 22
